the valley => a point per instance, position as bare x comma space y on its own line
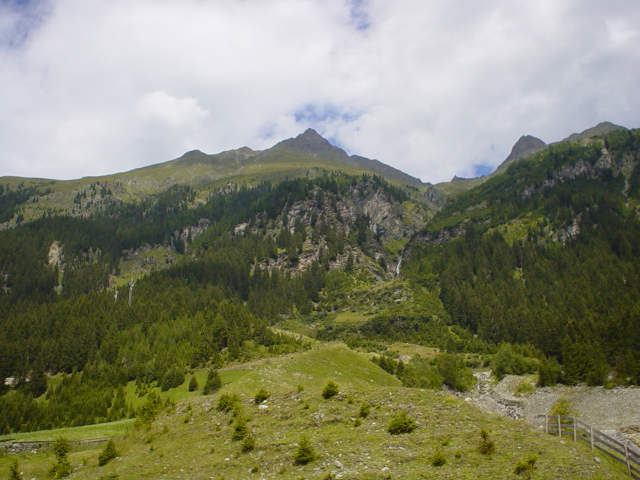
124, 297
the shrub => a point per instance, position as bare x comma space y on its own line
331, 389
401, 424
108, 453
61, 468
14, 471
172, 379
526, 467
454, 372
511, 360
248, 444
240, 431
213, 383
524, 388
261, 396
304, 453
364, 410
193, 384
228, 402
549, 372
438, 459
148, 412
563, 408
487, 446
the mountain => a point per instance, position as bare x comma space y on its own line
526, 146
600, 129
114, 289
306, 155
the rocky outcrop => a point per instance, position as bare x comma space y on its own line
55, 257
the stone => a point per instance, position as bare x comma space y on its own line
338, 464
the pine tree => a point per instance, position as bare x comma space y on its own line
193, 384
108, 453
213, 383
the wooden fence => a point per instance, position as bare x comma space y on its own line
578, 430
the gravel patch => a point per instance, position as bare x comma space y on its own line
615, 411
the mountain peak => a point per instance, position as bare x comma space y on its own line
525, 146
311, 142
600, 129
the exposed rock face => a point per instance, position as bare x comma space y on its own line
339, 215
441, 236
434, 196
55, 255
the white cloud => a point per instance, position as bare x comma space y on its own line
432, 87
171, 111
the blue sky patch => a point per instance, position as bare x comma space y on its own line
359, 15
21, 18
313, 114
483, 169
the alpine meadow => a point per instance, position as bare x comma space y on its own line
299, 312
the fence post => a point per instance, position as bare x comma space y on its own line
559, 427
574, 429
626, 456
591, 432
546, 423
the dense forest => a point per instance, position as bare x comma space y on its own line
539, 271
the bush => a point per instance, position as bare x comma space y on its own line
193, 384
148, 412
454, 372
331, 389
510, 360
438, 459
549, 372
61, 468
240, 431
563, 408
526, 467
304, 453
248, 444
213, 383
228, 402
487, 446
261, 396
419, 373
401, 424
364, 410
14, 471
108, 453
524, 388
172, 379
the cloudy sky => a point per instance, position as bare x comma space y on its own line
434, 87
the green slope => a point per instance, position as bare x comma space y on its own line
194, 440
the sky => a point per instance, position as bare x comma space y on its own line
436, 88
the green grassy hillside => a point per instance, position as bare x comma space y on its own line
348, 433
